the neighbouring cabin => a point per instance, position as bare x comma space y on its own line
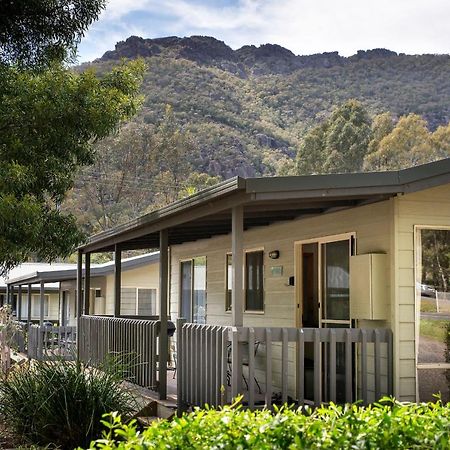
51, 332
24, 309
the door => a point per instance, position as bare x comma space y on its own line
335, 310
325, 303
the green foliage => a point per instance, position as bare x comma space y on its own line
386, 425
61, 403
337, 145
248, 122
49, 121
36, 32
408, 144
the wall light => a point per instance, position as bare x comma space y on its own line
275, 254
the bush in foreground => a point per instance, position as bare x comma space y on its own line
387, 425
60, 403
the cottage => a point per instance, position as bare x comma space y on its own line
31, 310
308, 288
56, 285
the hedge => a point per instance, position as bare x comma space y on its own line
385, 425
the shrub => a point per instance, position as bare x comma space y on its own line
386, 425
60, 402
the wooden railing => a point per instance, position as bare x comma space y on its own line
51, 342
19, 339
309, 365
201, 364
132, 341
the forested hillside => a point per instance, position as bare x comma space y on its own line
238, 112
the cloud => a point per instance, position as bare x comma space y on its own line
303, 26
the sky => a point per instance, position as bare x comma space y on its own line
303, 26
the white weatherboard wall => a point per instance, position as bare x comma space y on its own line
53, 305
371, 223
141, 277
97, 305
429, 207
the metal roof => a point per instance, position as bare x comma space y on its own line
265, 200
58, 274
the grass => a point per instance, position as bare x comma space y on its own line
434, 329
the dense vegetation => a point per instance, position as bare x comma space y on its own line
389, 425
50, 117
252, 112
61, 403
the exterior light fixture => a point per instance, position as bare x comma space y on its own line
275, 254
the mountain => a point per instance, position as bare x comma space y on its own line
239, 102
248, 108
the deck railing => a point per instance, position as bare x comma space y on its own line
309, 365
51, 342
202, 364
132, 341
19, 339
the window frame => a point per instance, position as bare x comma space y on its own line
263, 299
136, 289
228, 291
36, 299
180, 286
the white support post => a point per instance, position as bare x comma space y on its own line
19, 303
42, 304
237, 296
117, 279
87, 283
79, 302
29, 305
163, 302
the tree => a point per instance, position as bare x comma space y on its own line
50, 118
37, 32
408, 144
440, 140
196, 181
172, 150
382, 125
118, 186
436, 258
337, 145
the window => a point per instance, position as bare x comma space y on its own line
254, 281
137, 301
36, 306
432, 268
193, 290
229, 282
146, 302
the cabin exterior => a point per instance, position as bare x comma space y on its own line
51, 293
302, 289
56, 285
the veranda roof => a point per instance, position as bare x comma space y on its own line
265, 201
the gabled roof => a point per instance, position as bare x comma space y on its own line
265, 200
55, 274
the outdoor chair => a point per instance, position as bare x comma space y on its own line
244, 363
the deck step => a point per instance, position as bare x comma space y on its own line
154, 410
147, 421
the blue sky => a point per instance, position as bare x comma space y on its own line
303, 26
